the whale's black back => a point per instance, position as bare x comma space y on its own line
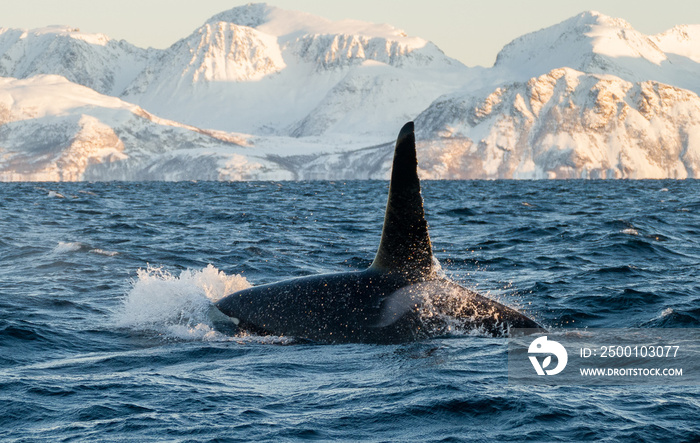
338, 308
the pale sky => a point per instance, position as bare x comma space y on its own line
470, 31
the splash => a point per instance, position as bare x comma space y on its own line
446, 309
178, 306
443, 314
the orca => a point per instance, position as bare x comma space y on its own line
400, 298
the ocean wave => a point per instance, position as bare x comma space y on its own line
673, 318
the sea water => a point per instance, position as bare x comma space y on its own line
108, 332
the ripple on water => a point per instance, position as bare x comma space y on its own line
91, 348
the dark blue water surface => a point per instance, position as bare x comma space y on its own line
107, 330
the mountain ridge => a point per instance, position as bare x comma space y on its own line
259, 92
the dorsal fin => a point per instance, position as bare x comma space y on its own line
405, 246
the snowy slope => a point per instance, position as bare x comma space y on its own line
680, 41
55, 130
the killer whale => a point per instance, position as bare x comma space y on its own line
400, 298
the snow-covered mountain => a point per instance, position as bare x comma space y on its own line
565, 124
259, 69
587, 98
259, 92
597, 44
92, 60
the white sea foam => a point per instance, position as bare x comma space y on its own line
67, 247
630, 231
103, 252
55, 194
64, 247
666, 312
178, 306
